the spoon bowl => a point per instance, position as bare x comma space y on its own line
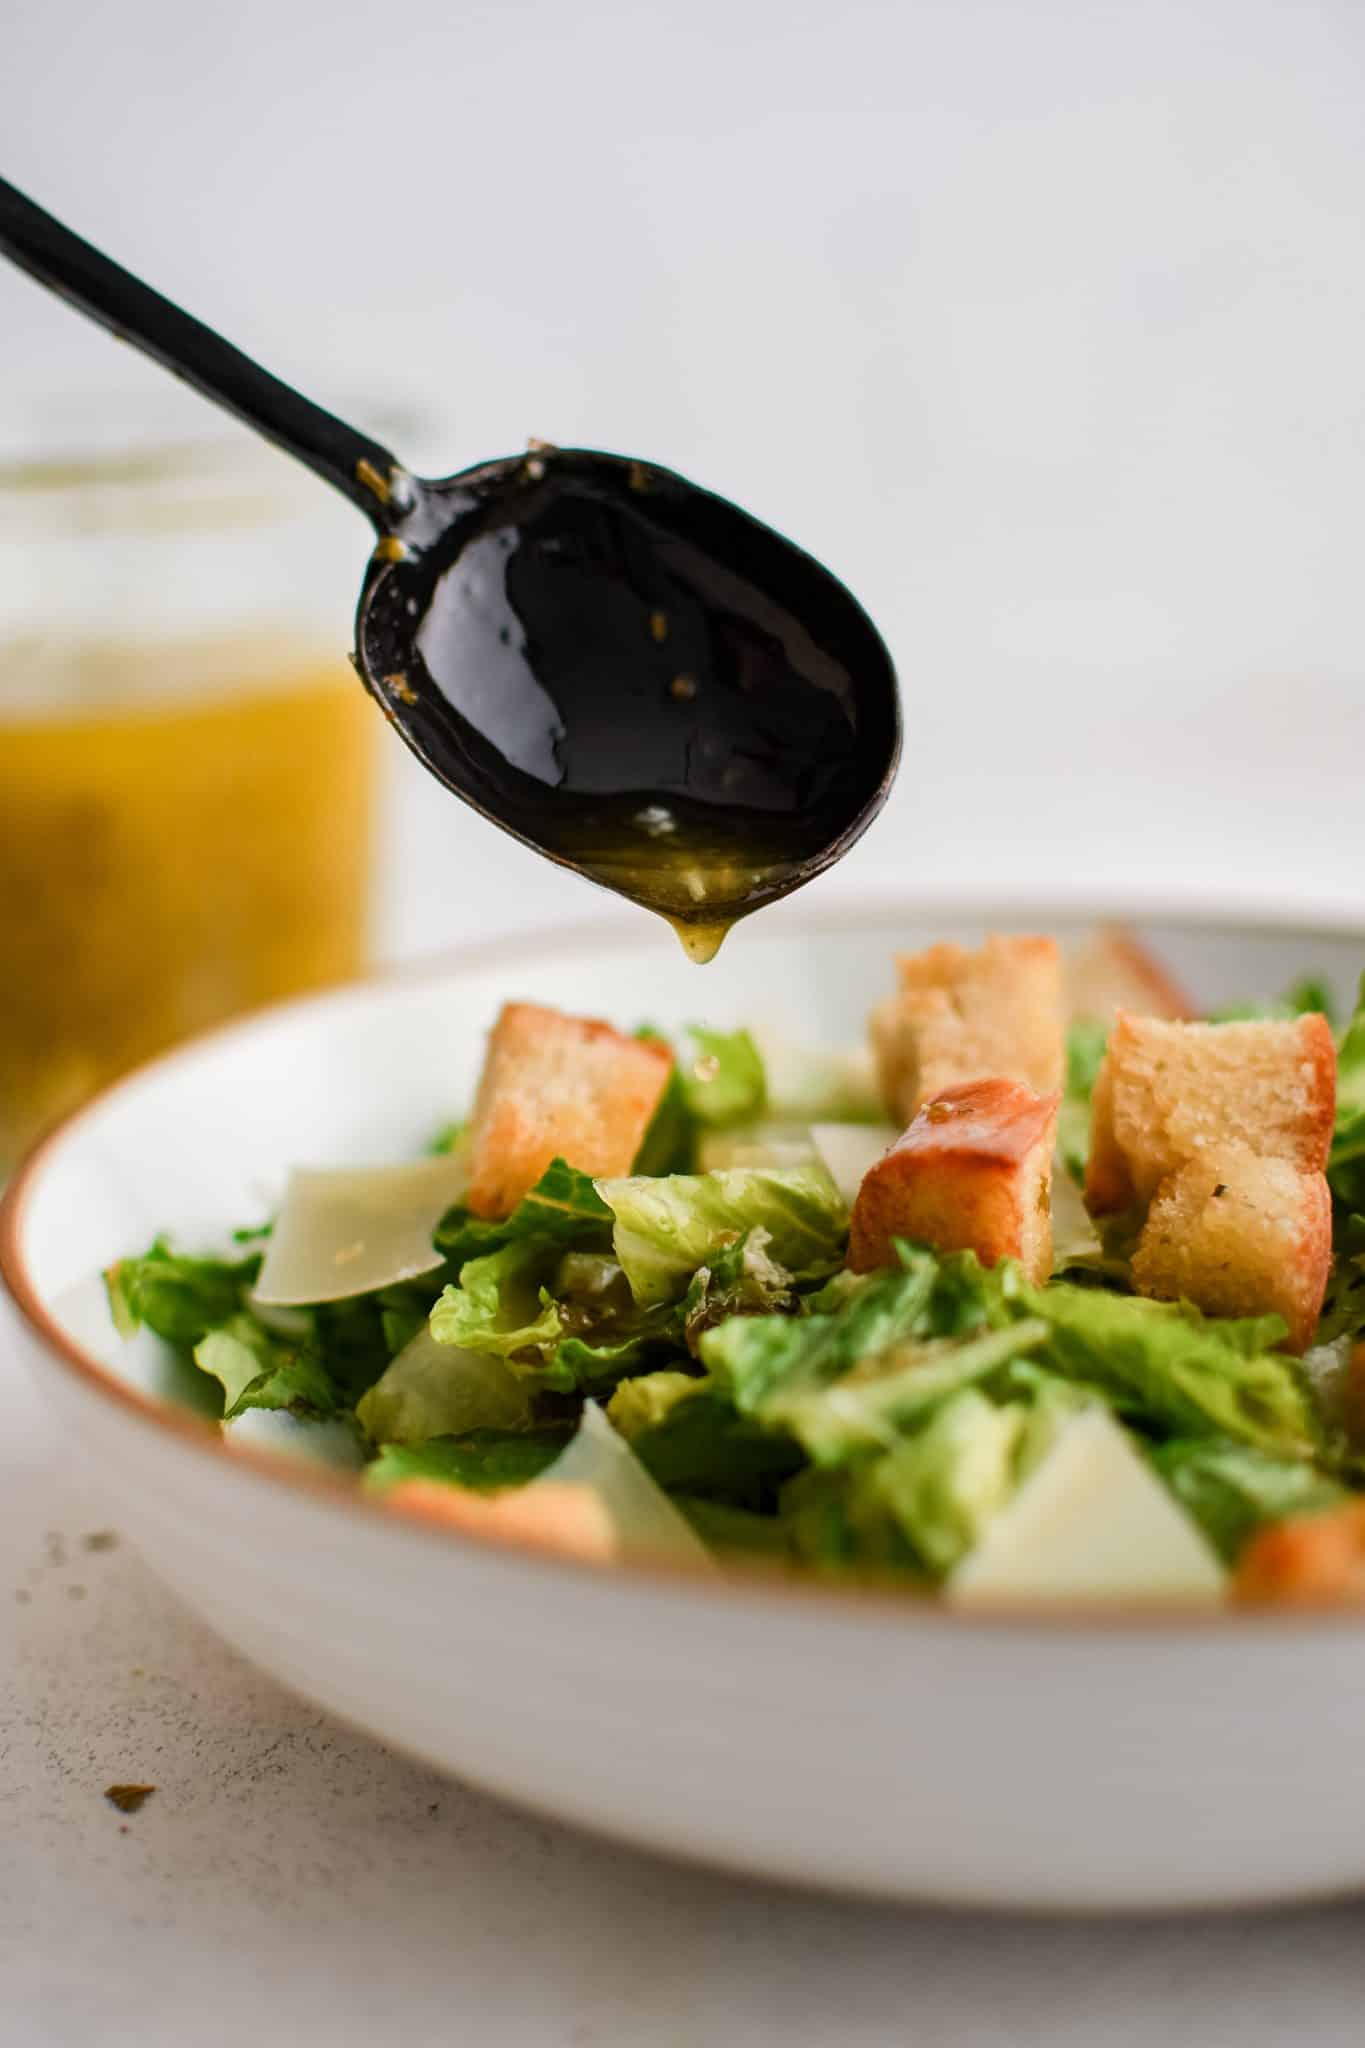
634, 677
619, 668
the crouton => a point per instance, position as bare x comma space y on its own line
963, 1016
972, 1173
548, 1515
1114, 971
1308, 1558
1170, 1092
557, 1087
1240, 1236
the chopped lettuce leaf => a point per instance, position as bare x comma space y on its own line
700, 1445
563, 1207
722, 1081
866, 1410
1346, 1164
1170, 1367
1233, 1489
1085, 1043
942, 1486
435, 1389
259, 1370
179, 1299
346, 1231
501, 1307
742, 1280
850, 1320
485, 1460
642, 1403
646, 1524
330, 1440
1302, 998
665, 1229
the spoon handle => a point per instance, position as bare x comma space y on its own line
360, 468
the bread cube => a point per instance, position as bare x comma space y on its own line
1172, 1092
972, 1173
1308, 1559
1115, 971
968, 1016
1240, 1236
557, 1087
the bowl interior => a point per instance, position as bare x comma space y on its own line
200, 1141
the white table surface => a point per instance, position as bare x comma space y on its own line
292, 1881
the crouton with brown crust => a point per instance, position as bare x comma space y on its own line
548, 1515
972, 1173
1115, 971
1171, 1092
1307, 1559
1240, 1236
968, 1016
557, 1087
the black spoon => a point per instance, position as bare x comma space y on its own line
622, 670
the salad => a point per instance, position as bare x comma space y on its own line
1052, 1291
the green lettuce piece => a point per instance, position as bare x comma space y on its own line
501, 1309
1085, 1043
486, 1460
941, 1486
438, 1390
868, 1409
563, 1207
446, 1139
1167, 1367
1346, 1162
850, 1320
604, 1333
1232, 1489
642, 1403
179, 1299
668, 1145
700, 1445
259, 1370
665, 1229
1302, 998
722, 1081
744, 1279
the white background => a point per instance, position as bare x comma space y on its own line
1044, 324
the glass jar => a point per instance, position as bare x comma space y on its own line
187, 761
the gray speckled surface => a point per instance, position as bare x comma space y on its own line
292, 1881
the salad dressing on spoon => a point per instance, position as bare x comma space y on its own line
620, 669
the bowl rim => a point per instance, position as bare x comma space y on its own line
764, 1588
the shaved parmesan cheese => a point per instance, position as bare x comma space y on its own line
644, 1521
1092, 1522
849, 1150
348, 1230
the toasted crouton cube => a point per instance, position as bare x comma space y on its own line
1170, 1092
1115, 971
963, 1016
1240, 1236
1307, 1558
557, 1087
972, 1173
549, 1515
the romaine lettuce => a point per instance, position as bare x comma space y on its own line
665, 1229
435, 1389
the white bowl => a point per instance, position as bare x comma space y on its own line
855, 1741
